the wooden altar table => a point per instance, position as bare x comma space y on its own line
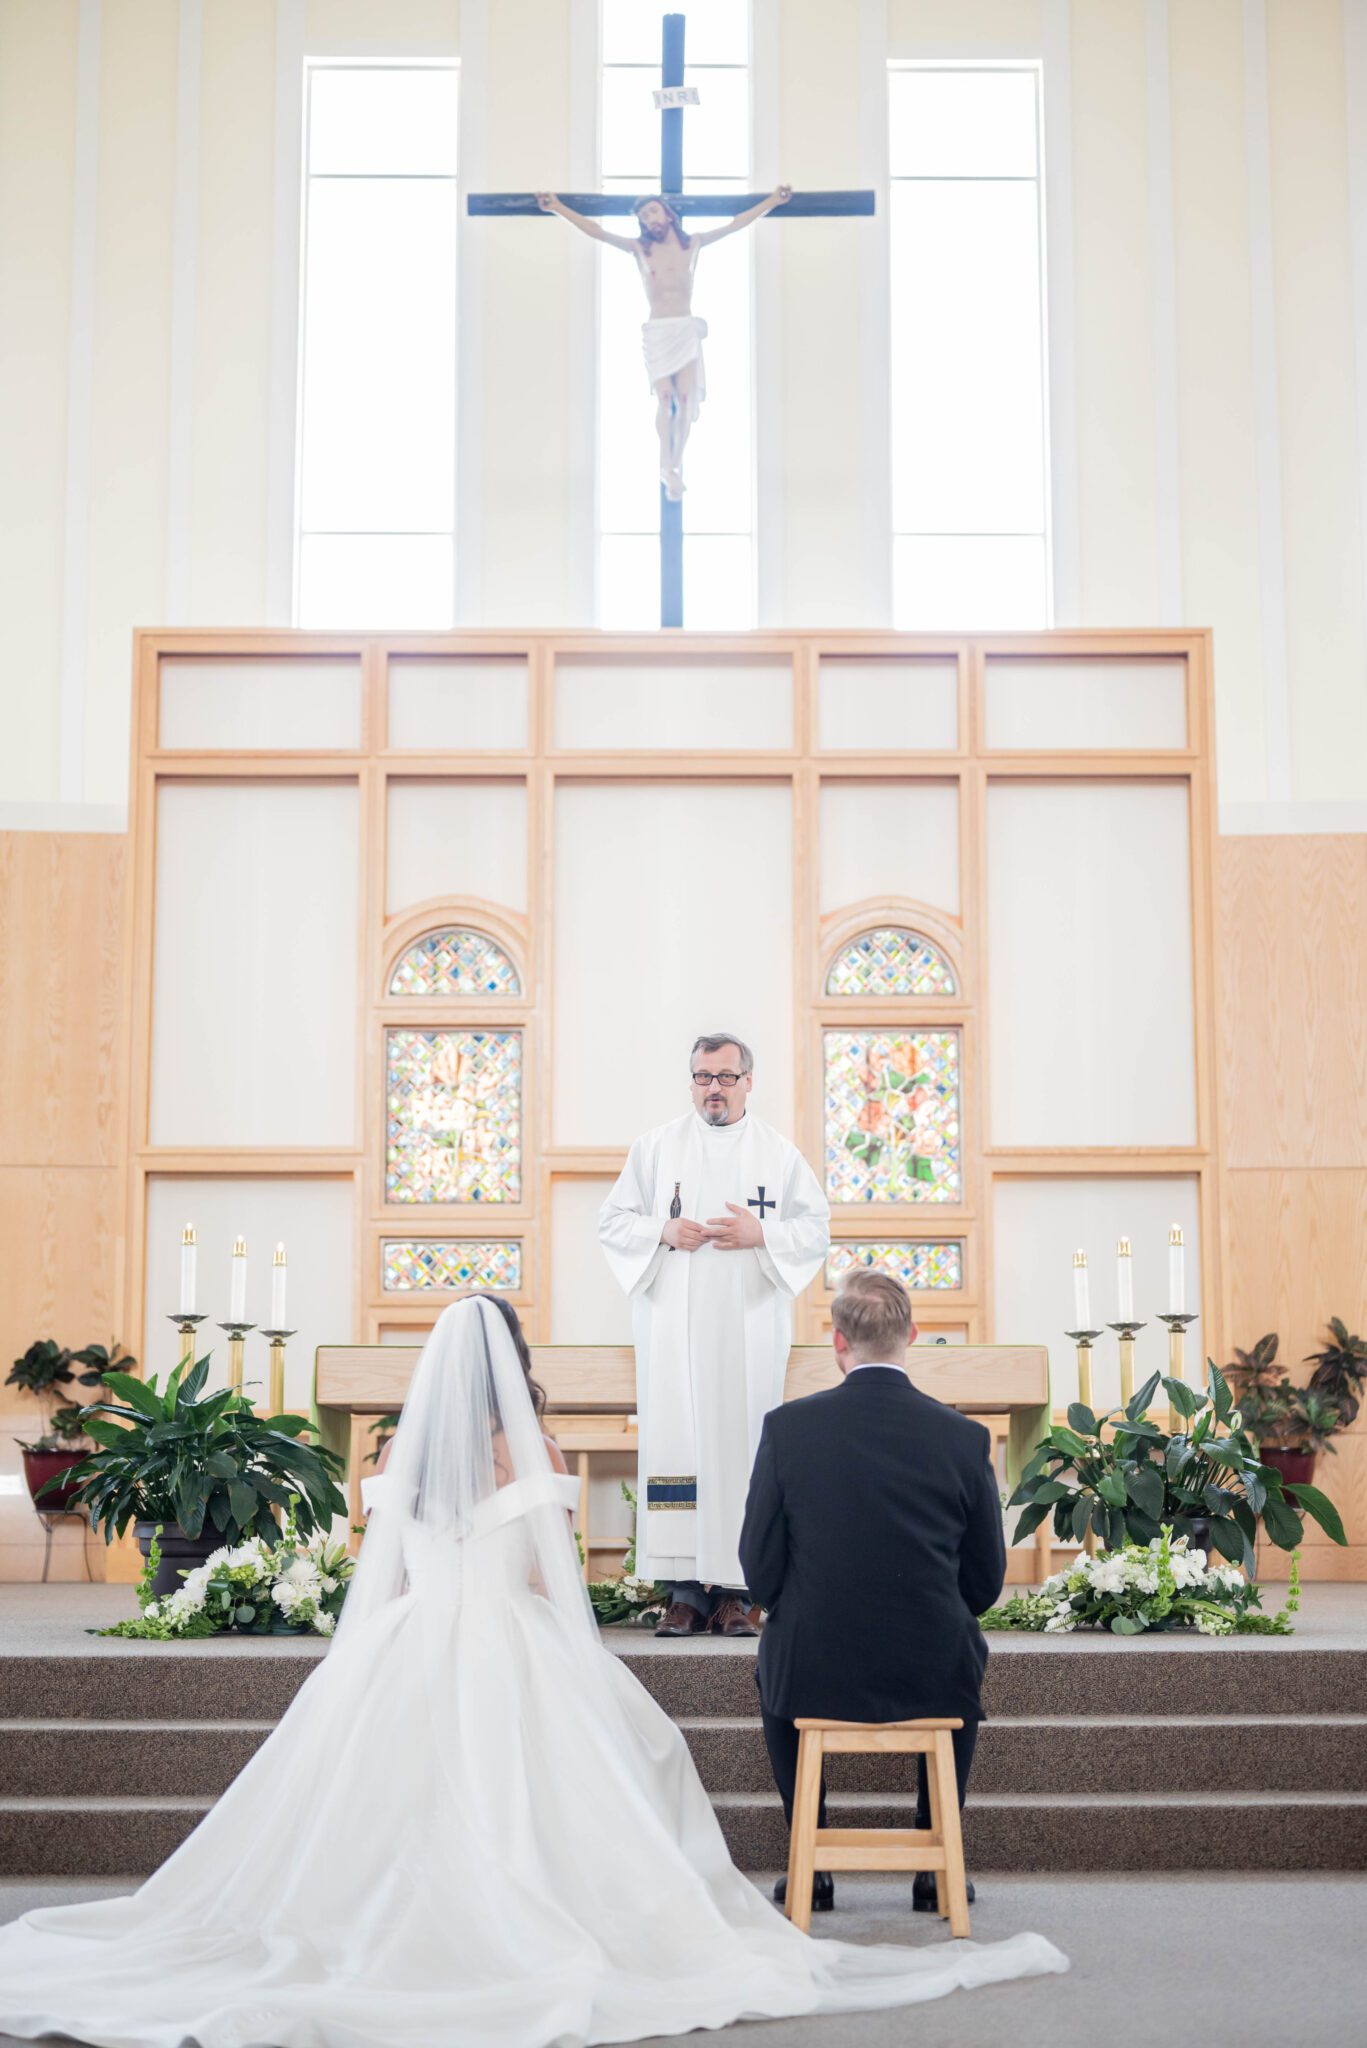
591, 1400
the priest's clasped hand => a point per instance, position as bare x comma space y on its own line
738, 1232
683, 1234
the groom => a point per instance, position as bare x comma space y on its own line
873, 1535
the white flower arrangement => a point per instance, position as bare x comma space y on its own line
1158, 1585
258, 1585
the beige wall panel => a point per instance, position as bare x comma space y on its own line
456, 839
647, 929
1040, 1223
255, 995
821, 314
272, 705
889, 839
1292, 931
605, 703
233, 314
524, 544
1088, 892
37, 160
927, 28
401, 28
61, 950
587, 1305
1219, 485
458, 704
1321, 507
911, 704
1113, 320
312, 1218
128, 454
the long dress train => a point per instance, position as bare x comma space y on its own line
471, 1826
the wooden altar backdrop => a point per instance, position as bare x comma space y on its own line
868, 757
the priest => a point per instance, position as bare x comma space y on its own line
715, 1226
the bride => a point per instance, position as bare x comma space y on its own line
472, 1825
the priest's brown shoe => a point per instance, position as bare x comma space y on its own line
733, 1618
680, 1619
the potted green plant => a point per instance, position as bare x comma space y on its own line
1294, 1424
206, 1468
1125, 1478
47, 1371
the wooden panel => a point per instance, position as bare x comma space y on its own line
1293, 951
59, 1227
987, 1377
61, 925
1295, 1254
1294, 1259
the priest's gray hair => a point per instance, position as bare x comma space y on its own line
715, 1040
872, 1312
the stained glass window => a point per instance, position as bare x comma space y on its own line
892, 1116
924, 1263
890, 962
411, 1264
453, 1116
454, 962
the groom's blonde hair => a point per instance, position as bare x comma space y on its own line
872, 1312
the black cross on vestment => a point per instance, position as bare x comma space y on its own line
802, 204
761, 1202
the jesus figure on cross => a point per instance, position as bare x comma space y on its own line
672, 337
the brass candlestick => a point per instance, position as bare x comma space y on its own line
277, 1378
1083, 1341
1126, 1333
1177, 1346
187, 1325
237, 1335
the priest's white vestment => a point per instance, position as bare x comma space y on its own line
712, 1328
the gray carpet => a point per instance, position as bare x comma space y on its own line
1250, 1962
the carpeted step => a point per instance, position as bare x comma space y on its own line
155, 1681
1079, 1753
125, 1759
1093, 1832
85, 1837
1108, 1675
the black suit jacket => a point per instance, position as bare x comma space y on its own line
873, 1535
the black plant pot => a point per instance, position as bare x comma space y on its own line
179, 1553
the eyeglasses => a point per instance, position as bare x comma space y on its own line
703, 1079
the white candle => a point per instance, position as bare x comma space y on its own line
1082, 1300
1124, 1273
187, 1270
278, 1289
1177, 1272
237, 1312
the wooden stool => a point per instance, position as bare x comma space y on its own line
939, 1847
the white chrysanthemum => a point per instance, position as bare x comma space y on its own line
325, 1624
286, 1596
1060, 1624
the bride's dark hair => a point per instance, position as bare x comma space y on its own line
524, 1356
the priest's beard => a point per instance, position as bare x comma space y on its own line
715, 1113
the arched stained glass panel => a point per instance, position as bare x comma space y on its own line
454, 962
890, 961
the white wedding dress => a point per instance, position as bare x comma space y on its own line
472, 1826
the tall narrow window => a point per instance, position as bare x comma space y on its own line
969, 439
718, 516
377, 457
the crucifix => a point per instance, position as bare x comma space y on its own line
667, 256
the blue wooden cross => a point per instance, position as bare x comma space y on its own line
808, 204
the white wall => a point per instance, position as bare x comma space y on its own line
1208, 219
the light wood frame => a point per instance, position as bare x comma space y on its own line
803, 766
